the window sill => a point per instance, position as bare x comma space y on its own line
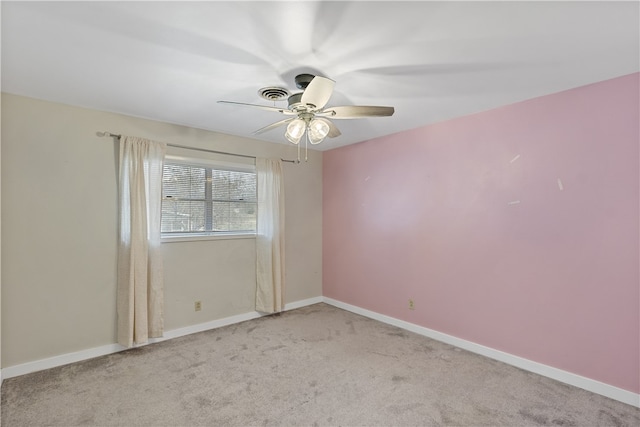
197, 237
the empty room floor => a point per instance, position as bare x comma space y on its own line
318, 365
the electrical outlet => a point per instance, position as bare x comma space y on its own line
198, 305
411, 305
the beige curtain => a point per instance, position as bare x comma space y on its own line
140, 273
270, 237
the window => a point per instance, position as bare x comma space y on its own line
207, 199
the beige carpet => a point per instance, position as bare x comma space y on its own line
318, 365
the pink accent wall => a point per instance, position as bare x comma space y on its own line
432, 215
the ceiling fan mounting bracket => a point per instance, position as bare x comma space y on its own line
303, 80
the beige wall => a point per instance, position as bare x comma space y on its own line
59, 231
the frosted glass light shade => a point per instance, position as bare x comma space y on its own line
295, 130
318, 130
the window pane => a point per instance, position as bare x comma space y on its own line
243, 217
221, 216
182, 216
183, 182
234, 216
232, 185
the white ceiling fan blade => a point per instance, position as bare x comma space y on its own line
318, 92
357, 111
262, 107
273, 126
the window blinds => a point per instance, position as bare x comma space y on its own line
199, 199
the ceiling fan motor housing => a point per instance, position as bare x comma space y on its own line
303, 80
295, 101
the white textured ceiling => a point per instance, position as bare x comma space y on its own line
171, 61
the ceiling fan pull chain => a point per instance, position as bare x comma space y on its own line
306, 145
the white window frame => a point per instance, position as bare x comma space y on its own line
216, 164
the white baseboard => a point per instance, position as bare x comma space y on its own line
303, 303
65, 359
588, 384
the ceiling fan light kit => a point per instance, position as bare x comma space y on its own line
318, 130
295, 130
308, 109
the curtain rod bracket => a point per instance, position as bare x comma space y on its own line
105, 133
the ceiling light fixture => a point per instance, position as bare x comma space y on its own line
316, 130
295, 130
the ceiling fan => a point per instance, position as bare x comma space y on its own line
309, 113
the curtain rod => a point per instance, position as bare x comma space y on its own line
114, 135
